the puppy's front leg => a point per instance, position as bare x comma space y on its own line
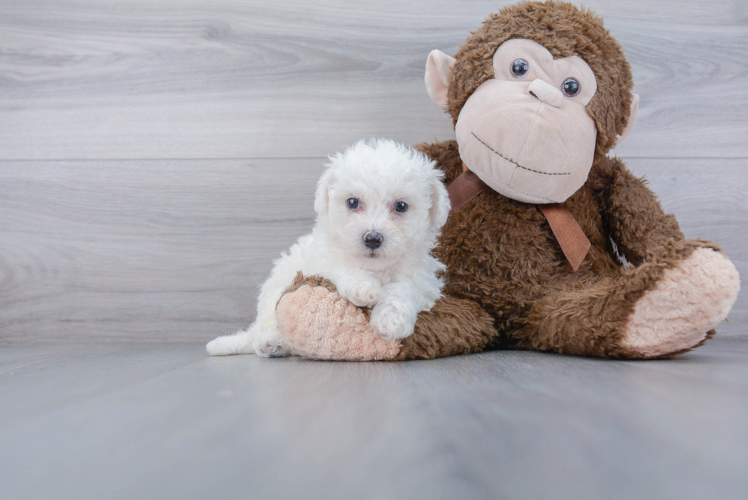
394, 317
358, 287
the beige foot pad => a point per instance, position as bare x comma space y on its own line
688, 301
317, 323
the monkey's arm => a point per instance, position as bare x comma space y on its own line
633, 213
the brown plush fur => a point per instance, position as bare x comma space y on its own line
502, 259
502, 254
453, 326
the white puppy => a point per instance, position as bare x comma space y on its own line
380, 206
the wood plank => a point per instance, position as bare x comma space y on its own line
175, 250
163, 249
82, 79
91, 421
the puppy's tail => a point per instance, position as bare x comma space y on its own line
238, 343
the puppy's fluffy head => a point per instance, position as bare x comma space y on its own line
381, 191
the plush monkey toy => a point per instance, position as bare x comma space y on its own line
538, 96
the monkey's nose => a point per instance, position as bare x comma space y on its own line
546, 93
373, 240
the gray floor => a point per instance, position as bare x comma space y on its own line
156, 155
158, 421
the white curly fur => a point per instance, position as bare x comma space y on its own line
398, 280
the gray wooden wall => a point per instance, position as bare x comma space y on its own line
155, 155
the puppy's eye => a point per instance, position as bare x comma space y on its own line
401, 206
520, 67
352, 203
571, 87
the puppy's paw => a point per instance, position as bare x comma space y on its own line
364, 293
269, 343
392, 321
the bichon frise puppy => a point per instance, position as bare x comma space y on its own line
380, 206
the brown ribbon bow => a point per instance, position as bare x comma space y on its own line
569, 235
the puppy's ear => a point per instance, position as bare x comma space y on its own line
322, 195
440, 204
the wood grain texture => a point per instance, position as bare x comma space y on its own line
124, 421
83, 79
175, 250
226, 110
163, 249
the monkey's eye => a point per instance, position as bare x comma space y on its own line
571, 87
401, 206
520, 67
353, 203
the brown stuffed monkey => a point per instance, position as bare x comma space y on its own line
538, 96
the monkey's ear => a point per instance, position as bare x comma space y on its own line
438, 75
322, 195
632, 119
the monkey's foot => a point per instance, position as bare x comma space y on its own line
318, 323
688, 301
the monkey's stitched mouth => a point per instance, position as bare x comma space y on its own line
514, 162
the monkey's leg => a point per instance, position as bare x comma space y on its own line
666, 306
453, 326
317, 323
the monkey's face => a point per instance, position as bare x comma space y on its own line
526, 132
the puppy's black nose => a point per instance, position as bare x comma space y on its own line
373, 240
